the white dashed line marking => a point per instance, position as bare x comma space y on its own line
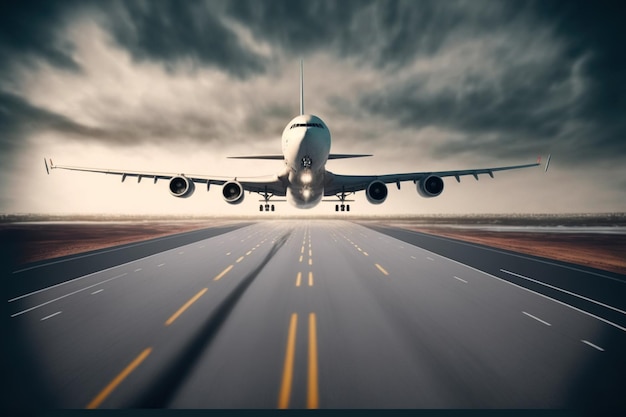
537, 318
592, 345
51, 315
460, 279
96, 292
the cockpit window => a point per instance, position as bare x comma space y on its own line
318, 125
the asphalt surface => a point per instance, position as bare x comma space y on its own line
313, 314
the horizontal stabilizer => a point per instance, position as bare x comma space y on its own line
279, 157
347, 155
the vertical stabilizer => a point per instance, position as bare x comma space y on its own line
301, 89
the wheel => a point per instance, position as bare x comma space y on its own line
343, 207
260, 207
272, 207
347, 207
267, 207
336, 207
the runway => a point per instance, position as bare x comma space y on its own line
314, 314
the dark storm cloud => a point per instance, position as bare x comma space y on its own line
529, 104
29, 29
18, 118
171, 31
526, 103
596, 28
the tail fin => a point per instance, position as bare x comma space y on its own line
301, 89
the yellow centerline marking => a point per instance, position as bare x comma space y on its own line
298, 279
313, 387
248, 253
310, 252
224, 272
285, 386
381, 269
310, 261
185, 306
240, 259
300, 258
310, 279
95, 403
302, 250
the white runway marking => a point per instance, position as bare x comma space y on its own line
51, 315
565, 291
96, 292
592, 345
66, 295
610, 323
537, 318
460, 279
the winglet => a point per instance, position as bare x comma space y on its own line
48, 167
301, 88
547, 163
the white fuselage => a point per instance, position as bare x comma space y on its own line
306, 146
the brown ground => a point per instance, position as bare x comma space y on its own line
602, 251
34, 242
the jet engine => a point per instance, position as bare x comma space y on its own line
376, 192
430, 186
233, 192
182, 187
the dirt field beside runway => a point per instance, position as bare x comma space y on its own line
39, 241
597, 250
31, 242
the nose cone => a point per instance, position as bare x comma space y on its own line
306, 143
313, 150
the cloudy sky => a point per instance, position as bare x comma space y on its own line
424, 85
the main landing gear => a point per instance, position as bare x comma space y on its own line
266, 198
342, 199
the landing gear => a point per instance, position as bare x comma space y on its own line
266, 197
342, 199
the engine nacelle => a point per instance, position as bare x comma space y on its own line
182, 187
232, 192
430, 186
376, 192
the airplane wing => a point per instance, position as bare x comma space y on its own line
271, 184
337, 184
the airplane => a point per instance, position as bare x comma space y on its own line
304, 179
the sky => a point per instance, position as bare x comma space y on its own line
173, 86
